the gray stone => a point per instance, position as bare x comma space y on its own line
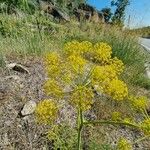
28, 108
17, 67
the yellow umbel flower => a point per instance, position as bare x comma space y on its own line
123, 144
139, 103
46, 111
116, 116
128, 120
145, 126
85, 46
52, 88
77, 48
117, 89
76, 63
103, 74
52, 58
72, 47
101, 52
117, 65
52, 62
53, 71
110, 72
82, 97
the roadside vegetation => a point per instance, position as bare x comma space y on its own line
69, 50
143, 32
29, 36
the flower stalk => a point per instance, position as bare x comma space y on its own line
80, 126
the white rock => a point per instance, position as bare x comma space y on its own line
28, 108
17, 67
11, 65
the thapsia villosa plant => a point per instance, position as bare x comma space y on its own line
84, 68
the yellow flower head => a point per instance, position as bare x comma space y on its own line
72, 47
77, 48
52, 61
103, 74
117, 65
46, 111
102, 52
52, 88
128, 120
76, 63
86, 46
53, 71
117, 89
123, 144
145, 126
82, 97
139, 103
116, 116
52, 58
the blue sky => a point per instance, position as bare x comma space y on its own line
139, 10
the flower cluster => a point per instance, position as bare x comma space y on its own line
123, 144
52, 88
117, 89
145, 126
116, 116
77, 63
101, 52
52, 62
103, 74
128, 120
139, 103
46, 111
117, 65
82, 97
77, 48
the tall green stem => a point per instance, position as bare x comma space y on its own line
80, 126
111, 123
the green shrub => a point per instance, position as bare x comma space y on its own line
63, 136
142, 81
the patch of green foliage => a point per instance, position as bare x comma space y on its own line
2, 60
63, 136
142, 81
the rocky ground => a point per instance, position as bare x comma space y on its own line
20, 91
